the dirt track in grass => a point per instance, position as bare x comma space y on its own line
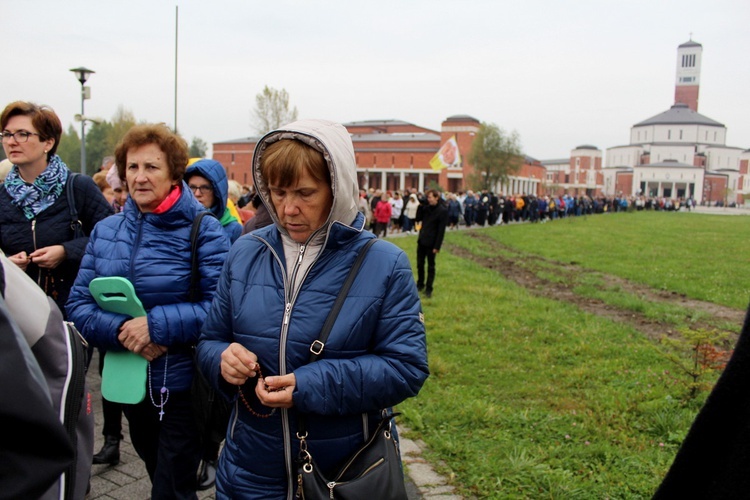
534, 274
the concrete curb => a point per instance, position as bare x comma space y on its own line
429, 484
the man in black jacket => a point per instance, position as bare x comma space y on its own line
434, 217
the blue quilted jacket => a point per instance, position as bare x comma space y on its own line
153, 252
374, 358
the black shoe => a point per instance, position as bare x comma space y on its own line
206, 475
420, 288
428, 295
110, 452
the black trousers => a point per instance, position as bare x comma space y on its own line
170, 448
425, 252
111, 411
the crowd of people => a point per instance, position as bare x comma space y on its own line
243, 320
485, 208
236, 298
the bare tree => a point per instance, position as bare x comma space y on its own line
272, 110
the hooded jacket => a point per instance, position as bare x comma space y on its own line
153, 251
217, 176
374, 358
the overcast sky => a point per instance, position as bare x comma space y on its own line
561, 73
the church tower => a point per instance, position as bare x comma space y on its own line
687, 82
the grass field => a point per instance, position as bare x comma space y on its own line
549, 377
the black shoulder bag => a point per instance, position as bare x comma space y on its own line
372, 471
210, 409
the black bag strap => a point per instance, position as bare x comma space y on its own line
75, 223
194, 273
316, 348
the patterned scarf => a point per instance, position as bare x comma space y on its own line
36, 197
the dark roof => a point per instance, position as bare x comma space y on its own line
376, 123
358, 149
555, 162
396, 137
679, 114
587, 146
690, 43
461, 118
242, 140
717, 172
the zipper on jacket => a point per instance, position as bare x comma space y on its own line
287, 312
136, 244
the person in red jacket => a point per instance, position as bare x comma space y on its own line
382, 215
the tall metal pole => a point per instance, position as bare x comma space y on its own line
82, 74
176, 26
83, 129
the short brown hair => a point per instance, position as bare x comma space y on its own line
100, 178
43, 118
170, 143
282, 163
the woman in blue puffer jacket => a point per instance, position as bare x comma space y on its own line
149, 244
274, 294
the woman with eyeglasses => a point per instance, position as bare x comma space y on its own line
37, 232
208, 182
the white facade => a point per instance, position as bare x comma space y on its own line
683, 153
623, 156
691, 133
688, 64
669, 179
723, 158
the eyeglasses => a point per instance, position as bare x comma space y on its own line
20, 136
204, 189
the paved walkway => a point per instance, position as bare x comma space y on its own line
129, 481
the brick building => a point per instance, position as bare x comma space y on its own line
395, 155
579, 174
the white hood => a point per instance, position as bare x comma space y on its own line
335, 143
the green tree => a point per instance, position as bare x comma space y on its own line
69, 149
102, 138
198, 148
272, 110
97, 146
495, 155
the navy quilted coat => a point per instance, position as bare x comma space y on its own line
153, 252
52, 227
374, 358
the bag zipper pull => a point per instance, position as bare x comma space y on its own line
331, 486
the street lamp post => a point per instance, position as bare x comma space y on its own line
82, 74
